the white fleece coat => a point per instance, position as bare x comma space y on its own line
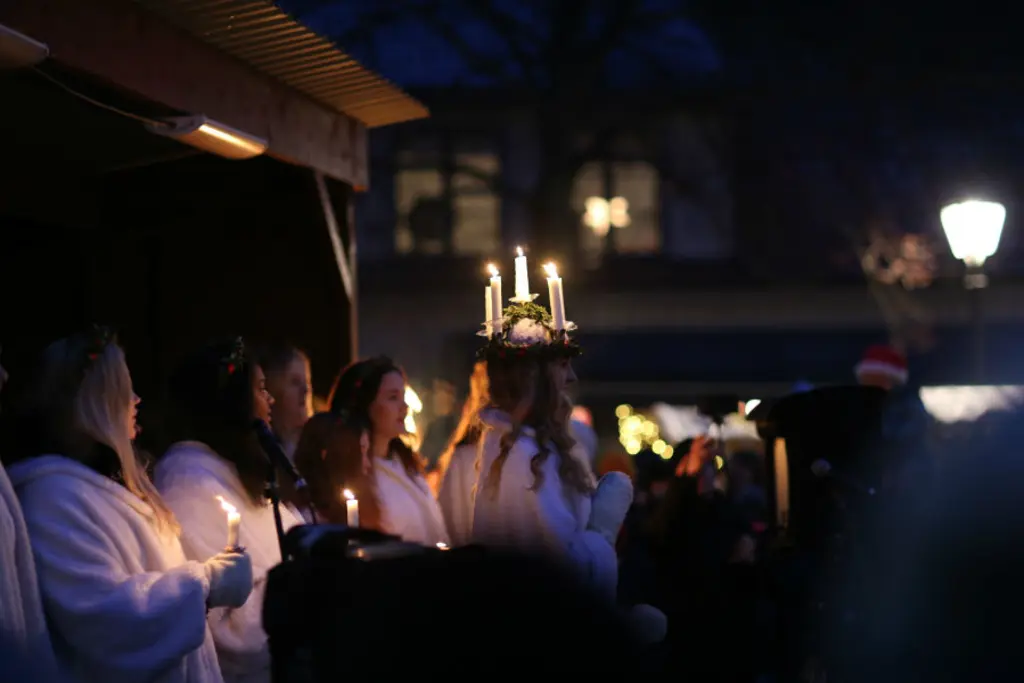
551, 520
123, 603
408, 508
190, 476
457, 492
23, 631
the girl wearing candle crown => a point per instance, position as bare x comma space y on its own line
536, 492
217, 465
122, 601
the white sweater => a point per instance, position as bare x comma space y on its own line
190, 476
23, 631
551, 520
123, 603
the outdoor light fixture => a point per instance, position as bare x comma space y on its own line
18, 51
973, 229
210, 136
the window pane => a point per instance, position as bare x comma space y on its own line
413, 190
477, 208
638, 184
476, 230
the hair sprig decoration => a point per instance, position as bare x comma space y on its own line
99, 337
234, 361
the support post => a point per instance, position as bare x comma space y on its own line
344, 257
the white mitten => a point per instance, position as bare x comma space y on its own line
230, 577
610, 504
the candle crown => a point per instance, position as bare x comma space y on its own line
525, 329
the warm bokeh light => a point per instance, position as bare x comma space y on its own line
415, 405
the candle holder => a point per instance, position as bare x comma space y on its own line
523, 300
487, 326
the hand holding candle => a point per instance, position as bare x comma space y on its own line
351, 509
234, 520
556, 297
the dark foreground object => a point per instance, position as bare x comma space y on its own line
330, 615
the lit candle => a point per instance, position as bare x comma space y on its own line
234, 519
522, 277
556, 296
494, 309
489, 311
351, 509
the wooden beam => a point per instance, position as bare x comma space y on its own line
120, 42
346, 260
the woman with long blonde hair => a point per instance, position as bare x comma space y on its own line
536, 492
458, 463
121, 600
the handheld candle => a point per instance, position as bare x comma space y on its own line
234, 520
351, 509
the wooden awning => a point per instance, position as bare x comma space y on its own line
244, 63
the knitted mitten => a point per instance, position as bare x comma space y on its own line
610, 504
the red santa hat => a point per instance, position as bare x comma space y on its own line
883, 360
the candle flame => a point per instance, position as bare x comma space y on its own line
492, 269
551, 269
348, 495
226, 506
519, 251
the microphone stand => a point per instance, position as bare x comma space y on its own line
275, 501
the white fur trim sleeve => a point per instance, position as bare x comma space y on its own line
550, 520
135, 626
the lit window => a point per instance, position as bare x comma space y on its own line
427, 224
618, 205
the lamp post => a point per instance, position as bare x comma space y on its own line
973, 229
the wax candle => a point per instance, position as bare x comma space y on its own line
488, 311
495, 308
522, 277
234, 520
556, 296
351, 509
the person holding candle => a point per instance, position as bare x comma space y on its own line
358, 446
217, 466
122, 601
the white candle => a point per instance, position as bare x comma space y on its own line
351, 509
522, 277
494, 309
556, 296
234, 519
489, 311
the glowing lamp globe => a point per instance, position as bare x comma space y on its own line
973, 229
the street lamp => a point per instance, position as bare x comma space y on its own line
973, 229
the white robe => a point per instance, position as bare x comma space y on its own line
456, 494
23, 632
550, 521
122, 602
190, 476
408, 509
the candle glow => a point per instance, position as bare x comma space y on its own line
234, 520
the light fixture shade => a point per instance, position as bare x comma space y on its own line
18, 51
210, 136
973, 229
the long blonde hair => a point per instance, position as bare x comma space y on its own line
469, 426
84, 395
526, 390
